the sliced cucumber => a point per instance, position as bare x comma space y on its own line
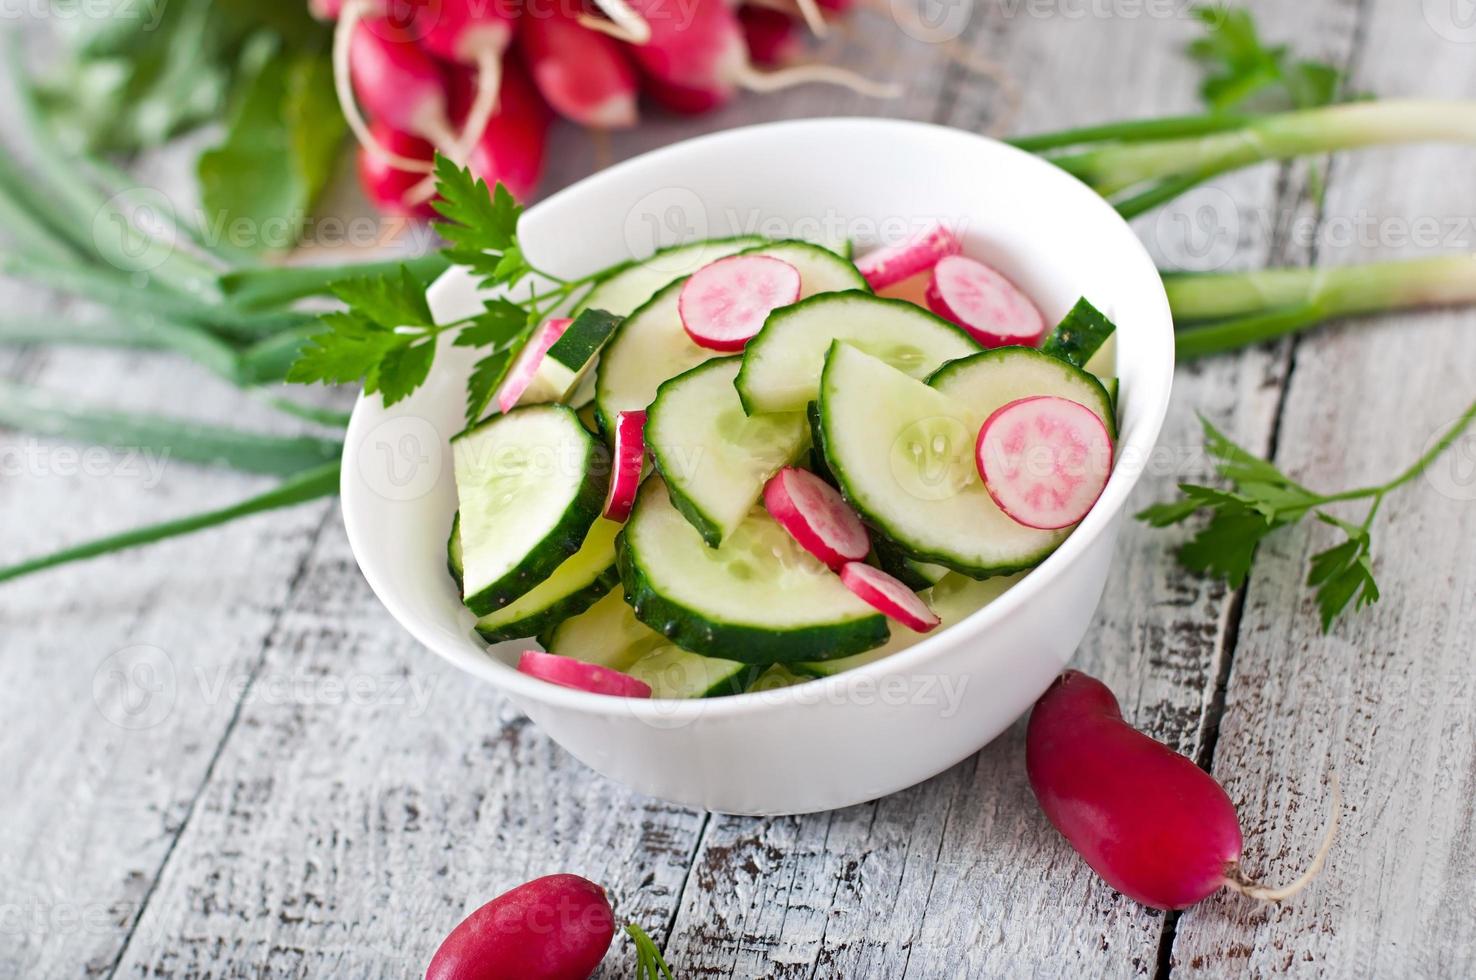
916, 575
1076, 338
781, 366
651, 346
903, 455
572, 356
760, 598
531, 483
628, 289
776, 677
607, 634
992, 379
453, 549
571, 589
674, 673
817, 454
954, 598
716, 459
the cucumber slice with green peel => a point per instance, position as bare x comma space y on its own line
453, 549
651, 346
715, 458
817, 454
607, 634
531, 483
954, 598
759, 598
821, 270
1080, 335
1114, 389
625, 291
903, 455
572, 588
777, 677
672, 672
990, 380
571, 357
781, 366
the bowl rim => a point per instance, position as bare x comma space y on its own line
664, 712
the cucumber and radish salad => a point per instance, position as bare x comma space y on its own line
774, 474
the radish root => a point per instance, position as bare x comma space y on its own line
489, 84
343, 37
1237, 880
631, 25
772, 81
814, 19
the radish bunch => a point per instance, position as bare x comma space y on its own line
479, 81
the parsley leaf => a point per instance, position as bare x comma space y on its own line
485, 379
349, 349
500, 322
390, 301
480, 224
1243, 72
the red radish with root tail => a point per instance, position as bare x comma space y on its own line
554, 928
377, 62
986, 304
723, 304
389, 187
475, 34
890, 264
816, 516
1045, 460
889, 596
695, 52
568, 672
512, 150
582, 73
1154, 825
629, 456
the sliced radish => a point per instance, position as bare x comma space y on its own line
888, 596
725, 303
1044, 460
816, 516
525, 368
629, 457
568, 672
986, 304
884, 266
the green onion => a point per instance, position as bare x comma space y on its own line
127, 331
272, 286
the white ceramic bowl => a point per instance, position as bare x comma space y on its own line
881, 728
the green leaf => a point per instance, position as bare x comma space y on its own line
1242, 71
499, 323
278, 153
477, 220
483, 383
390, 301
349, 349
1355, 579
1227, 545
404, 369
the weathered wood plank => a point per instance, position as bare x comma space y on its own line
961, 876
1387, 700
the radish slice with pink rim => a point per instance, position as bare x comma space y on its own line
568, 672
986, 304
1044, 460
723, 304
525, 368
629, 456
888, 596
891, 264
817, 516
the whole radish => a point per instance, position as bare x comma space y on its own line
772, 36
1154, 825
583, 74
511, 149
476, 34
553, 928
388, 187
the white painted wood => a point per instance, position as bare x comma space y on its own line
1386, 701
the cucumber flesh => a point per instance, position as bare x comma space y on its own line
674, 673
715, 458
572, 356
781, 366
1080, 335
759, 598
531, 483
631, 287
606, 634
652, 347
954, 598
571, 589
989, 381
903, 454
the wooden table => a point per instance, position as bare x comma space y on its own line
298, 790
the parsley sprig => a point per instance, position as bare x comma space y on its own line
1262, 499
387, 336
1242, 71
